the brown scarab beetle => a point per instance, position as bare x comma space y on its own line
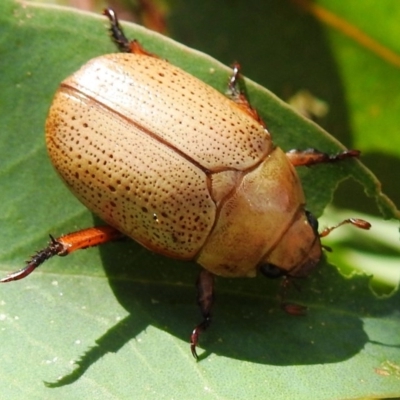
185, 171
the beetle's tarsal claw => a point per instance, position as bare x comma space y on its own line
54, 248
22, 273
194, 338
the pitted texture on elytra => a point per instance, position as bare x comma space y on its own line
177, 166
134, 182
176, 107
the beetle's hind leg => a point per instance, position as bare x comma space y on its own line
205, 300
65, 245
123, 43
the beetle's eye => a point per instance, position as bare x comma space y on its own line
313, 222
271, 271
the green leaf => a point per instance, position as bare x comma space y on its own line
114, 322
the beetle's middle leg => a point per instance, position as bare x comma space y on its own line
205, 300
312, 156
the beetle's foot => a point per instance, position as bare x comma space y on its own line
312, 156
54, 248
118, 36
65, 245
194, 338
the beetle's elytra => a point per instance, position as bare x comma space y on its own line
187, 172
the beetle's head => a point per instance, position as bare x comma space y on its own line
298, 252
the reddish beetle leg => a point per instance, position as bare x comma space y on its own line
65, 245
359, 223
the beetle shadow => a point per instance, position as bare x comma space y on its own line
248, 322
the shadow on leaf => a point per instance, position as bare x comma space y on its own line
248, 322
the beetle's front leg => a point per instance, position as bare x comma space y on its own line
65, 245
312, 156
205, 300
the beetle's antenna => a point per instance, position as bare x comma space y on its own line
359, 223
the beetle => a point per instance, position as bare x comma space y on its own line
182, 169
